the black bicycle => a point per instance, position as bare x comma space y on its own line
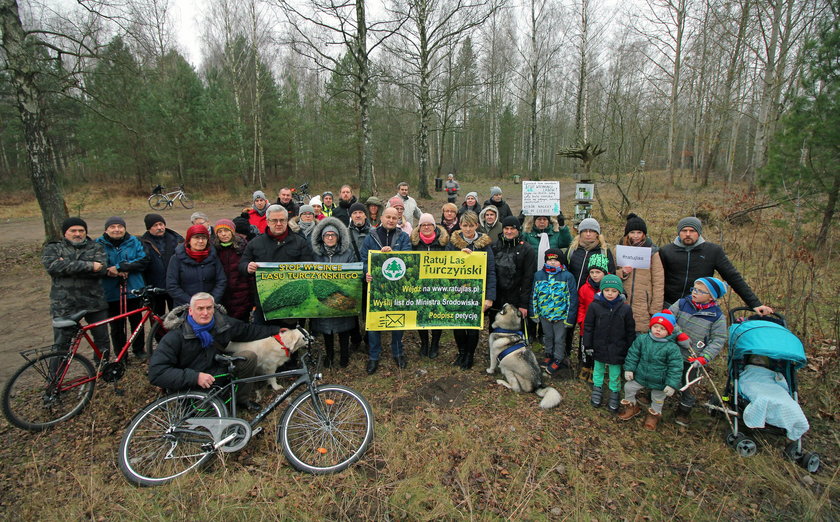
324, 430
301, 195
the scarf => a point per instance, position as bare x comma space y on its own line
705, 306
551, 269
202, 331
589, 245
639, 243
593, 284
197, 255
427, 239
261, 212
226, 244
281, 237
330, 250
305, 225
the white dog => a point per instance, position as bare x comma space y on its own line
272, 351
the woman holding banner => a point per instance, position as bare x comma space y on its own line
645, 287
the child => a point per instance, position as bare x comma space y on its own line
699, 316
554, 304
597, 268
654, 361
609, 329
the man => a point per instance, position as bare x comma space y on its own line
329, 206
359, 230
690, 257
497, 201
76, 265
159, 243
185, 357
284, 199
451, 187
412, 211
256, 214
515, 261
345, 200
387, 237
278, 245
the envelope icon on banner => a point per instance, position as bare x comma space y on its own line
394, 321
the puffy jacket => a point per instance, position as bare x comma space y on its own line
343, 253
586, 294
238, 298
342, 210
684, 265
655, 363
128, 256
186, 277
515, 261
159, 251
382, 237
75, 286
493, 230
644, 287
481, 243
555, 296
558, 237
502, 206
257, 220
577, 258
609, 329
707, 325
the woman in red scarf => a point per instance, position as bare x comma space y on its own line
194, 268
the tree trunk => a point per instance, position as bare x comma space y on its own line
828, 214
680, 16
367, 181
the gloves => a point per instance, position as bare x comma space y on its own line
684, 342
698, 361
561, 219
628, 376
669, 391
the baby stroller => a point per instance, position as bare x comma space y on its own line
763, 358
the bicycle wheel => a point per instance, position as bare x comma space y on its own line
331, 441
186, 201
158, 446
151, 340
48, 390
158, 201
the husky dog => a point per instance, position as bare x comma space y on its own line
273, 351
517, 362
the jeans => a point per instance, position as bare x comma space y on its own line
375, 344
554, 339
118, 335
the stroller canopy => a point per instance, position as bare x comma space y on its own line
765, 338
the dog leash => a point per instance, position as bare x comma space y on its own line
282, 345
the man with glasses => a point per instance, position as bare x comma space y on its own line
276, 245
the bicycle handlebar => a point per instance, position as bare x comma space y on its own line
142, 292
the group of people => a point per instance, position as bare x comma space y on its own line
562, 283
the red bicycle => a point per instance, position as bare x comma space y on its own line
56, 383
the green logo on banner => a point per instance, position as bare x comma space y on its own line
393, 269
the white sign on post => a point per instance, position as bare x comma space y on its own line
635, 257
585, 191
540, 198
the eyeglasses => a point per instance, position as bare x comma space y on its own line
695, 290
273, 221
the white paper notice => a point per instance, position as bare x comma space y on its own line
636, 257
541, 198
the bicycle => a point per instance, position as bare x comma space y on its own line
56, 383
301, 195
160, 200
325, 429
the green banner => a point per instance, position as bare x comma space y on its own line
420, 290
308, 290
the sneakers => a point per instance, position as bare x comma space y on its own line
651, 420
554, 367
596, 397
546, 361
630, 410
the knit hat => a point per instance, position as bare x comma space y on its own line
511, 221
612, 281
357, 207
589, 224
73, 222
554, 253
691, 222
152, 219
327, 193
196, 230
258, 194
473, 194
634, 222
114, 220
306, 208
396, 200
316, 201
450, 175
225, 223
495, 191
426, 219
327, 229
716, 287
599, 261
666, 319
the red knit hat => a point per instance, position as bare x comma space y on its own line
196, 230
665, 319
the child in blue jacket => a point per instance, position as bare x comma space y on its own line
554, 302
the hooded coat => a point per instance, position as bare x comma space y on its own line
609, 329
655, 363
342, 253
186, 276
493, 230
644, 287
373, 200
558, 237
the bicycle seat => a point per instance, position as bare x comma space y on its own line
71, 320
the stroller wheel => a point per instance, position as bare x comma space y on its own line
792, 451
745, 446
730, 439
810, 461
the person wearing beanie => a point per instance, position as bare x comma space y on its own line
256, 213
653, 362
515, 262
411, 210
329, 204
346, 200
533, 228
398, 204
597, 269
644, 287
699, 316
608, 330
76, 264
238, 297
496, 200
690, 257
195, 268
451, 187
359, 229
429, 237
374, 208
470, 203
317, 207
489, 222
554, 305
159, 244
127, 260
285, 200
304, 222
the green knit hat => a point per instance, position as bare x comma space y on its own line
600, 262
612, 281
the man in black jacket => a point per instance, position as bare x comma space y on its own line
345, 201
515, 262
690, 257
284, 199
185, 357
159, 243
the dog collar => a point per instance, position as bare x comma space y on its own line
505, 330
282, 344
510, 350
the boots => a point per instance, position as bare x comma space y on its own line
630, 410
459, 359
683, 417
596, 396
651, 420
328, 358
344, 356
434, 348
612, 404
467, 362
424, 344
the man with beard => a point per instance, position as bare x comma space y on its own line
345, 200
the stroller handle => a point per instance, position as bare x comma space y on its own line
733, 313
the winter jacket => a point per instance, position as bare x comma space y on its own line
128, 256
577, 258
463, 208
684, 265
450, 228
159, 251
343, 253
328, 210
493, 230
438, 244
238, 298
644, 287
481, 243
707, 325
267, 249
258, 221
179, 356
451, 187
342, 210
555, 296
655, 363
358, 235
412, 210
609, 329
301, 229
558, 237
291, 207
502, 206
186, 277
586, 294
381, 237
75, 286
515, 261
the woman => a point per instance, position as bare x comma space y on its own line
317, 208
194, 268
644, 287
374, 210
331, 243
429, 237
399, 205
469, 240
488, 222
449, 218
256, 214
470, 204
304, 223
237, 299
534, 226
